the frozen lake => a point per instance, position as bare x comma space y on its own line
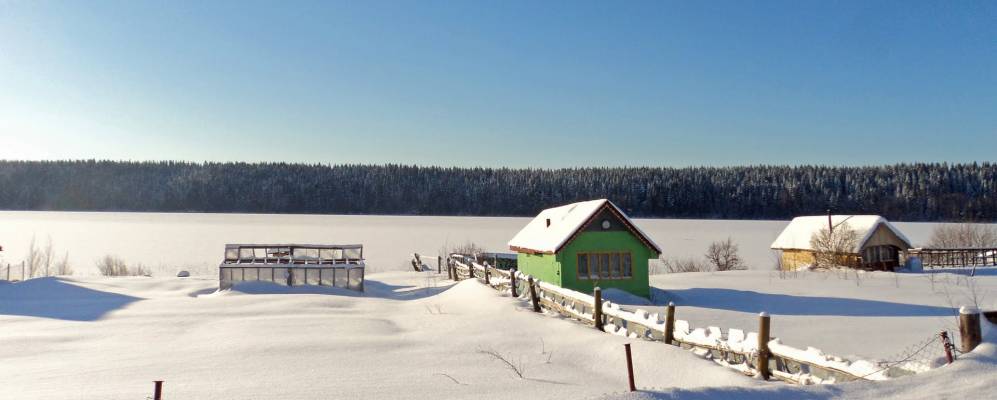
167, 242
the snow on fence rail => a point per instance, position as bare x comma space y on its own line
751, 353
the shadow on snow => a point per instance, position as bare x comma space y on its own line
372, 288
57, 298
784, 304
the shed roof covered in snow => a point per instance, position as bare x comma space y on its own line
555, 227
800, 230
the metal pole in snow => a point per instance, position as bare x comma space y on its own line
630, 368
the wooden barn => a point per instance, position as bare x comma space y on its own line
583, 245
880, 244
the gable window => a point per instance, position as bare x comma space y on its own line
605, 265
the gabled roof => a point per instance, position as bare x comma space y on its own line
565, 223
800, 230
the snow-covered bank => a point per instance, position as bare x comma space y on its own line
415, 335
403, 339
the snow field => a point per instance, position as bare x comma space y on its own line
396, 341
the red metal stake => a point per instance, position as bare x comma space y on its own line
158, 393
630, 368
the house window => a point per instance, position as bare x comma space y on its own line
605, 265
614, 265
583, 265
878, 254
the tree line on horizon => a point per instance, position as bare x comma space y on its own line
907, 192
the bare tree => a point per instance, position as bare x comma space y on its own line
963, 235
723, 256
834, 247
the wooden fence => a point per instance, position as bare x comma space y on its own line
751, 353
948, 258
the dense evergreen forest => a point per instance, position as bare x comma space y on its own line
910, 192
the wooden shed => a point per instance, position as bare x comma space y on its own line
583, 245
880, 245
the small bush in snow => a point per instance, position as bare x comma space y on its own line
673, 265
110, 265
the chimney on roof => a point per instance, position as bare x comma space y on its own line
830, 227
548, 222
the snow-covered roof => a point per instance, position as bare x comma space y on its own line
800, 230
565, 221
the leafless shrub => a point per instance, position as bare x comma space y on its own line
834, 247
963, 235
62, 266
468, 248
723, 256
435, 309
47, 256
688, 264
517, 368
33, 259
110, 265
544, 352
451, 378
42, 261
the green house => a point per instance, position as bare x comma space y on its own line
583, 245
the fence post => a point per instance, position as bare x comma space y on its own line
22, 272
630, 368
947, 345
157, 392
597, 308
533, 294
969, 328
470, 269
512, 281
487, 275
439, 264
670, 323
763, 345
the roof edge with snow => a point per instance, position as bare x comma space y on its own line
567, 222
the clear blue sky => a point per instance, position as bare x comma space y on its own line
500, 83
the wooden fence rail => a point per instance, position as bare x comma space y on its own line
949, 258
751, 353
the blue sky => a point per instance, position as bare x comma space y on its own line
500, 83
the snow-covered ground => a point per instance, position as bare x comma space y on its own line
165, 242
866, 314
414, 335
106, 338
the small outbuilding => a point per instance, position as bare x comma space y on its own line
880, 245
583, 245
